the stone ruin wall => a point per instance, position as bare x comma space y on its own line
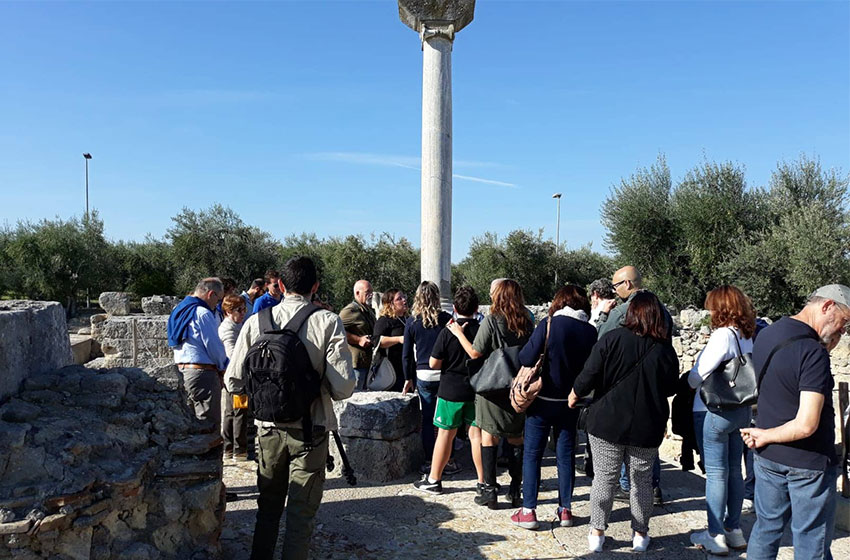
100, 463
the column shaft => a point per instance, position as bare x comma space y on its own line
436, 235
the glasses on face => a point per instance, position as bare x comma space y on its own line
616, 285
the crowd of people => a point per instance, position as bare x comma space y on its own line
606, 368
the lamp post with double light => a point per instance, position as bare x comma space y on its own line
557, 236
87, 157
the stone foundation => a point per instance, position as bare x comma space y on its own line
98, 464
380, 433
132, 340
33, 339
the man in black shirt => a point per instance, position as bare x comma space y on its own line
795, 464
455, 397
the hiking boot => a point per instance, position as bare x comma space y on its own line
565, 516
479, 487
452, 468
525, 520
621, 495
428, 487
657, 497
713, 545
735, 539
487, 497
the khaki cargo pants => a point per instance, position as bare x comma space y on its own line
287, 467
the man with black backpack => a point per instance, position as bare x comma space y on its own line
292, 360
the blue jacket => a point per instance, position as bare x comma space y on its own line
181, 316
422, 339
570, 342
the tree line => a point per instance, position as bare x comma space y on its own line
777, 243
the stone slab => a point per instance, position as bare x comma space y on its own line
378, 460
378, 415
81, 348
115, 303
34, 340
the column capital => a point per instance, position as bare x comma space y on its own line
430, 29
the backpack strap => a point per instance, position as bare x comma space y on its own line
266, 320
778, 347
300, 317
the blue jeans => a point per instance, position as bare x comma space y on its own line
809, 494
360, 376
719, 440
428, 405
543, 416
750, 475
626, 485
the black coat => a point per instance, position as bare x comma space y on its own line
635, 411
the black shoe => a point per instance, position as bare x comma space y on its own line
425, 468
487, 497
621, 495
515, 496
452, 468
428, 487
657, 497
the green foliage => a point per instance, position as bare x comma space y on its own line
146, 268
56, 259
778, 245
216, 242
531, 261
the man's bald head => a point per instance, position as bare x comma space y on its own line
363, 292
627, 280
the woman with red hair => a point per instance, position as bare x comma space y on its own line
717, 432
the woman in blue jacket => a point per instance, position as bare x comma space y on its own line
571, 338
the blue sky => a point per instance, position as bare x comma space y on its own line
305, 116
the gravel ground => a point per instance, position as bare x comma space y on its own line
391, 521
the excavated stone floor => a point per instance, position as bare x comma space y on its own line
389, 521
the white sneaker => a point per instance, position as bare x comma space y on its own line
639, 543
594, 543
748, 506
713, 545
735, 539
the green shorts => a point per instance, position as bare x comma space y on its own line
450, 415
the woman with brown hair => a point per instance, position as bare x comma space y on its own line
389, 329
717, 432
234, 428
508, 324
571, 337
632, 371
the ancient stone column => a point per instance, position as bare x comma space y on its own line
436, 22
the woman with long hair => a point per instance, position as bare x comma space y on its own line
717, 432
571, 338
509, 323
632, 370
420, 333
389, 329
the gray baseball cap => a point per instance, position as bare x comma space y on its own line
836, 292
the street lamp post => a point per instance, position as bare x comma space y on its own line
557, 235
87, 157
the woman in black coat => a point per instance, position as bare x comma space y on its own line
632, 371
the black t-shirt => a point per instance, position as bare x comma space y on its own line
388, 326
454, 379
803, 365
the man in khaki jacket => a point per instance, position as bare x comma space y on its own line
286, 463
358, 318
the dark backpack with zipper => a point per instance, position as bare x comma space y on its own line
282, 383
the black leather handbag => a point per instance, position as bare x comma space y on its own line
732, 385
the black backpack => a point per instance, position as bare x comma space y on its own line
282, 383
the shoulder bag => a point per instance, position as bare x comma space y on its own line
499, 368
382, 374
585, 404
529, 381
732, 384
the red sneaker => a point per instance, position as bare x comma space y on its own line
525, 520
566, 517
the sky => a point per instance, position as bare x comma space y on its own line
306, 116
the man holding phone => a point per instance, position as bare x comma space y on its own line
358, 319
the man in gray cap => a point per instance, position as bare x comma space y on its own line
796, 465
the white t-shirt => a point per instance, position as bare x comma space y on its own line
721, 347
